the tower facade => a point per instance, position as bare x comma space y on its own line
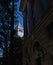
33, 12
38, 45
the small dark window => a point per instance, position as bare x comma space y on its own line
39, 61
51, 58
50, 30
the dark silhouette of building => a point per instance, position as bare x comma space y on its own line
38, 39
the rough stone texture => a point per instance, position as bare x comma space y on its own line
40, 34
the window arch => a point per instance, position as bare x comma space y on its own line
38, 49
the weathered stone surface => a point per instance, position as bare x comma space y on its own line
40, 34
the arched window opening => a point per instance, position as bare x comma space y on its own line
38, 52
